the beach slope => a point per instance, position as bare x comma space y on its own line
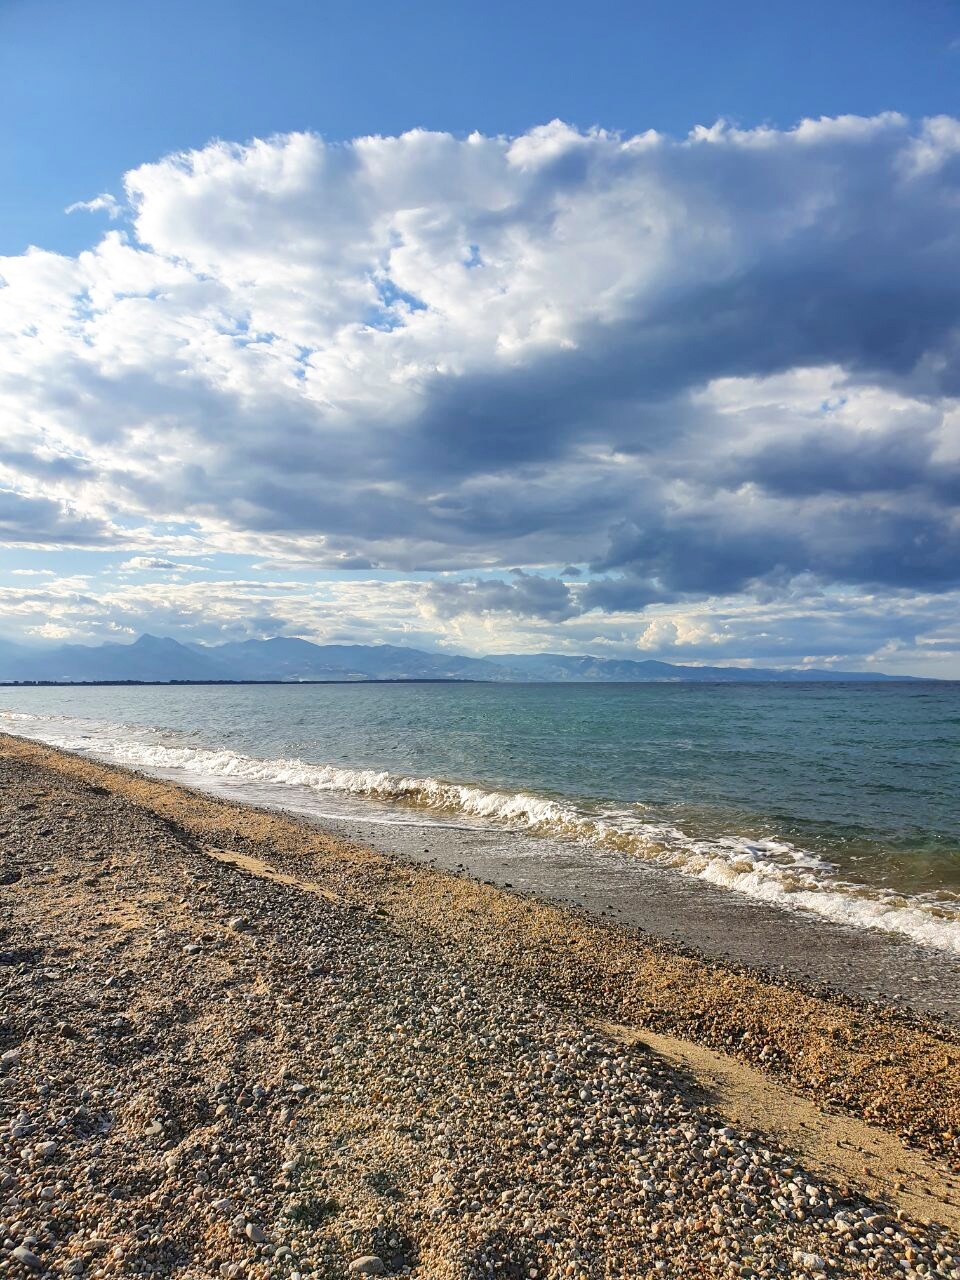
230, 1045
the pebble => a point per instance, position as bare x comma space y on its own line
27, 1257
369, 1265
333, 1098
811, 1261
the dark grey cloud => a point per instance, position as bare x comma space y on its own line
624, 593
706, 552
847, 463
526, 595
41, 521
57, 467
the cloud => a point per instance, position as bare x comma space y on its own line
137, 564
103, 203
527, 595
38, 521
907, 632
706, 367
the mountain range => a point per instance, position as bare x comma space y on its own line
154, 658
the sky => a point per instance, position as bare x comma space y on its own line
625, 329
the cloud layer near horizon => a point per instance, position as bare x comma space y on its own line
723, 369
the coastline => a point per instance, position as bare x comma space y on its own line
691, 914
793, 832
149, 893
688, 912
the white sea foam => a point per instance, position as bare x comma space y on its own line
772, 871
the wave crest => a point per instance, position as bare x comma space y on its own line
771, 871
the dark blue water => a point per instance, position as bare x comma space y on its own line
849, 792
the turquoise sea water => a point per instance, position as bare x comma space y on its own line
842, 800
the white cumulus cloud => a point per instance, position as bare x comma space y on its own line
706, 367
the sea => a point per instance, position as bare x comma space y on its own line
840, 801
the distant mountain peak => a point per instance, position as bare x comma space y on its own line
293, 658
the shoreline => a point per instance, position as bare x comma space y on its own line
822, 866
716, 923
895, 950
178, 684
713, 923
158, 863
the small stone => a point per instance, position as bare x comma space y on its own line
254, 1233
370, 1265
811, 1261
238, 924
10, 1058
27, 1257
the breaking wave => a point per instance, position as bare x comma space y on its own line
768, 870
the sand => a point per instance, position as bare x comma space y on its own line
231, 1044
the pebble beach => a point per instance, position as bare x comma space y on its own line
232, 1045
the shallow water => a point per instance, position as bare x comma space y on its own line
840, 800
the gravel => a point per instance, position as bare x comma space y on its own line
313, 1096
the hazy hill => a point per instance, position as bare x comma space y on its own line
292, 659
559, 667
149, 658
287, 658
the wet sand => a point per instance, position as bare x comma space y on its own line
861, 963
864, 964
